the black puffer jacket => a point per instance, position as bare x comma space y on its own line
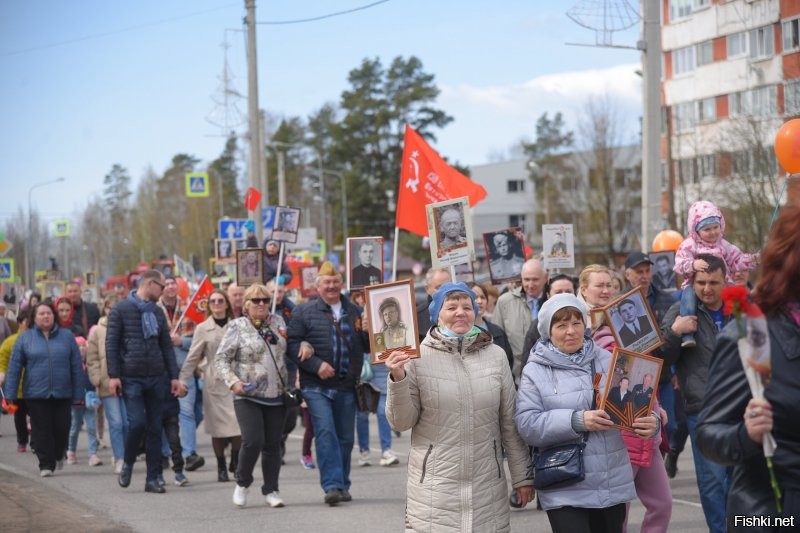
721, 433
313, 322
129, 354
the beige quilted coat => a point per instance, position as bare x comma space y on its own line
458, 401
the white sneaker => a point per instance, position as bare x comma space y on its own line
240, 496
95, 461
388, 458
46, 473
364, 459
274, 499
118, 466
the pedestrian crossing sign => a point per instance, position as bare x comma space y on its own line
61, 228
7, 270
197, 184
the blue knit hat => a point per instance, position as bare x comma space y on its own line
441, 294
707, 222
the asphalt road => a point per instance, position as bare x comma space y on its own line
84, 498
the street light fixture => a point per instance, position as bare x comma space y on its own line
29, 244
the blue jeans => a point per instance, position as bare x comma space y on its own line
117, 424
190, 417
78, 416
384, 430
712, 481
144, 400
688, 302
666, 397
333, 415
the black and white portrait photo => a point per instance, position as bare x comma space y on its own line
225, 249
364, 261
633, 323
558, 246
505, 250
287, 222
249, 266
663, 275
628, 392
450, 232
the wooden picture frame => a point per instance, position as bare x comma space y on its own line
450, 249
308, 279
633, 323
287, 222
52, 290
625, 402
249, 266
664, 278
366, 269
225, 250
89, 278
402, 334
91, 294
505, 254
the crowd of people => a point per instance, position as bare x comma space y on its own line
503, 374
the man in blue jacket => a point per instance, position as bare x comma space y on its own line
327, 342
139, 354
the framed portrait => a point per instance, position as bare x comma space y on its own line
91, 294
249, 266
632, 322
450, 232
392, 319
287, 221
505, 254
558, 246
308, 277
630, 387
89, 278
364, 262
225, 249
52, 290
241, 244
663, 276
166, 267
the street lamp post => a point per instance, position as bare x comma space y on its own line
29, 244
344, 201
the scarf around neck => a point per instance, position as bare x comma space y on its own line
148, 310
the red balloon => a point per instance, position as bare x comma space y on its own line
787, 146
667, 240
183, 289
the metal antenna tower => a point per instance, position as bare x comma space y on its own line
604, 17
226, 114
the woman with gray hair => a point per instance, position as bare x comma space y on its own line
556, 405
458, 401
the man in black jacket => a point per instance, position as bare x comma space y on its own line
140, 357
85, 314
327, 341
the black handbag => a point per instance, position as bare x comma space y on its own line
367, 396
562, 465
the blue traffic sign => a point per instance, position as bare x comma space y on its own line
268, 217
235, 228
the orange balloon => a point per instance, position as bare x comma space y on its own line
183, 289
787, 146
667, 240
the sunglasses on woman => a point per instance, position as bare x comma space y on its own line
260, 301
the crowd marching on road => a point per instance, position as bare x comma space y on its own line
502, 388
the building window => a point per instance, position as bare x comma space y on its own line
791, 35
684, 115
705, 54
737, 44
516, 185
791, 97
688, 170
516, 221
764, 101
683, 60
707, 165
707, 110
680, 9
762, 43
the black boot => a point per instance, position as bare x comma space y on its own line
234, 461
222, 472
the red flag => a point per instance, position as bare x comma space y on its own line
425, 178
251, 199
196, 309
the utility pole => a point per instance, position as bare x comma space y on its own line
650, 45
253, 115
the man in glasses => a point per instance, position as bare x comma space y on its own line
139, 353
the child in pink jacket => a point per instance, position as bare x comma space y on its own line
706, 228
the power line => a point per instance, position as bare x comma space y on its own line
321, 17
